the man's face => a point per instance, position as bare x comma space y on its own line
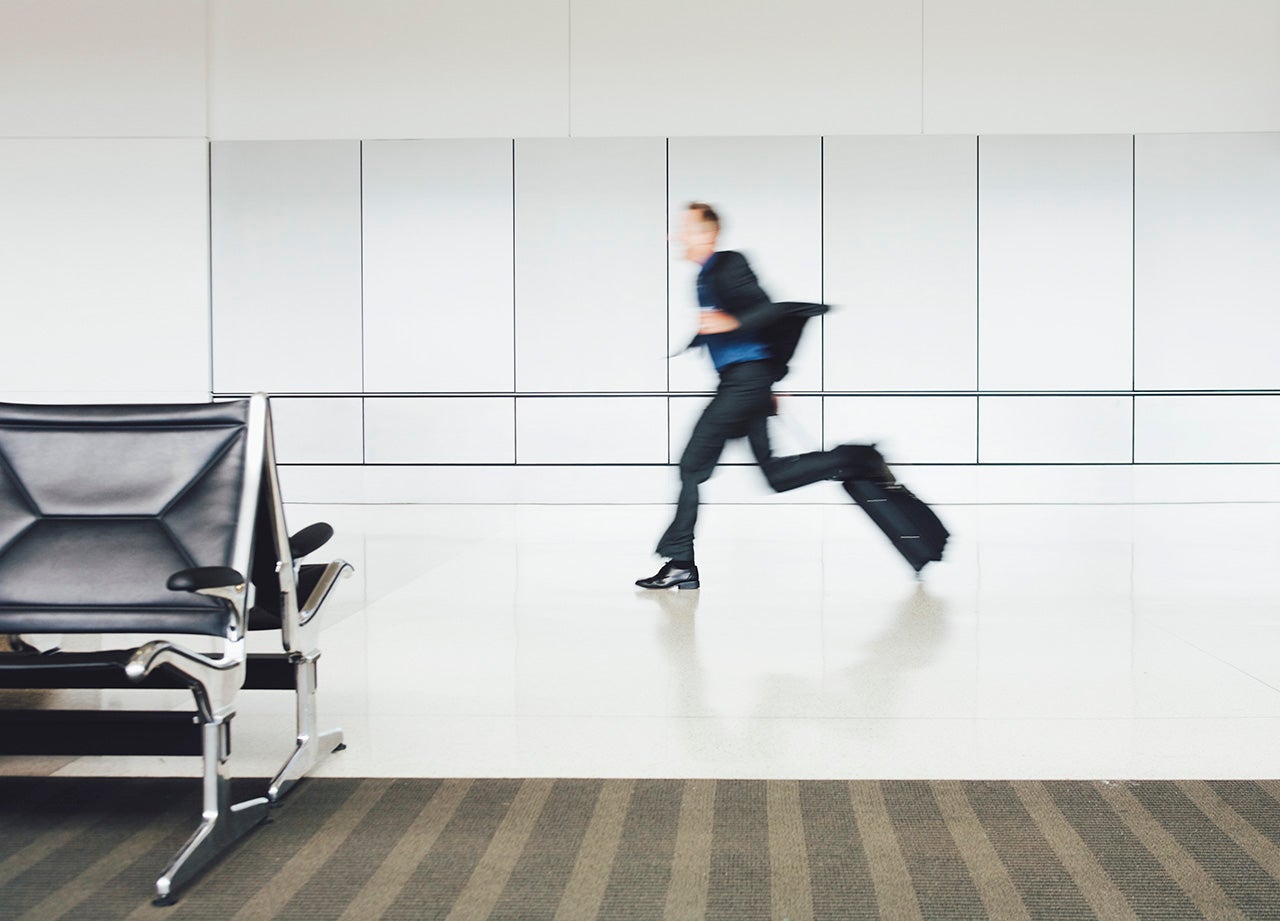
696, 236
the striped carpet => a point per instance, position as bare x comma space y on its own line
354, 849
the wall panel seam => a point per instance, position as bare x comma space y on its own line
364, 448
822, 287
977, 293
208, 147
1133, 294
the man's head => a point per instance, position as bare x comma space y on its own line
699, 229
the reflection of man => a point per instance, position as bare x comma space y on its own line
750, 340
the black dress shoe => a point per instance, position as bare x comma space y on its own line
669, 576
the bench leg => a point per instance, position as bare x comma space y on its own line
312, 746
222, 823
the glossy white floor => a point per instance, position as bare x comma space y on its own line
1054, 641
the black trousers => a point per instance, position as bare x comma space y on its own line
741, 408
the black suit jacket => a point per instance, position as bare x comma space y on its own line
736, 291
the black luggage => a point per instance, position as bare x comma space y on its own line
910, 524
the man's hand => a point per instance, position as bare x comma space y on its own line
717, 321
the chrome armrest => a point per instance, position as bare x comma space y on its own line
332, 572
150, 656
215, 680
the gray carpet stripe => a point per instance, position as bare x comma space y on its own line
80, 887
491, 874
39, 797
1252, 801
1208, 897
788, 857
890, 875
840, 878
1047, 890
1270, 787
537, 883
250, 868
939, 875
26, 857
686, 895
385, 885
1092, 880
641, 871
534, 850
738, 889
304, 862
1264, 897
107, 821
33, 814
445, 870
364, 851
1208, 844
586, 887
137, 876
987, 871
360, 855
1140, 875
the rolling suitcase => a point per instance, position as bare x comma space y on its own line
909, 524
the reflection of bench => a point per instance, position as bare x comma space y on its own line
154, 521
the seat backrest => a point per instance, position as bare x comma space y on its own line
265, 572
99, 505
273, 573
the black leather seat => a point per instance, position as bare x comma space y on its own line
95, 501
160, 521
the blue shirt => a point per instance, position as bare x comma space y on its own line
729, 348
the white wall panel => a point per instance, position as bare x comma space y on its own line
591, 430
1207, 235
286, 266
626, 485
621, 485
797, 430
1209, 428
768, 192
747, 485
318, 430
591, 264
1055, 263
900, 263
389, 69
103, 269
83, 68
907, 430
1100, 66
439, 430
1055, 430
437, 265
725, 67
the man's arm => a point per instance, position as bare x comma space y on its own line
740, 294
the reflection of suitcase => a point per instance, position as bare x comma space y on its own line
910, 524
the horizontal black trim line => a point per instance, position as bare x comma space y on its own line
576, 465
797, 393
